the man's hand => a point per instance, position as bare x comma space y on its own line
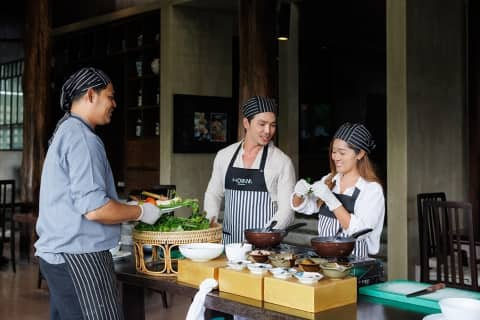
302, 188
321, 191
150, 213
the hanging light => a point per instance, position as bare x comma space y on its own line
283, 21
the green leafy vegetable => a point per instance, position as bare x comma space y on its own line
169, 222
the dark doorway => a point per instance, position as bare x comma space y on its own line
342, 78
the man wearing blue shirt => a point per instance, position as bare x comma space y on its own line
79, 213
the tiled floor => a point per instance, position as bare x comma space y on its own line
21, 300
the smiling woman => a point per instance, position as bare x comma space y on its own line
350, 197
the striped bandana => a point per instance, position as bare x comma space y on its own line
357, 135
258, 104
80, 82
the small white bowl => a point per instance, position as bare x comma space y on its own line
460, 308
308, 277
238, 265
201, 252
237, 251
280, 273
259, 268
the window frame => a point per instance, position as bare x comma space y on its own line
11, 105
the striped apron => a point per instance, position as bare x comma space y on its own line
93, 276
328, 224
247, 201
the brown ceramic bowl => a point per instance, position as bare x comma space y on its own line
336, 271
282, 260
260, 256
309, 265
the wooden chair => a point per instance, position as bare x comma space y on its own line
7, 208
452, 223
426, 237
27, 219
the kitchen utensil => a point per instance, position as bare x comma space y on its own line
336, 246
427, 290
270, 226
268, 239
339, 231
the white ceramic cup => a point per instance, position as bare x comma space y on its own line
237, 251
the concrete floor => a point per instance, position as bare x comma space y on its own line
21, 300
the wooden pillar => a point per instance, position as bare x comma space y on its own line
258, 51
35, 93
473, 114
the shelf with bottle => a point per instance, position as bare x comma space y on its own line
142, 95
143, 123
143, 65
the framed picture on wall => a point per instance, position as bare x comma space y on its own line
203, 124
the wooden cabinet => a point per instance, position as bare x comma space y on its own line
128, 50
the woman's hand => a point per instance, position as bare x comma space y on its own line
322, 191
297, 201
302, 188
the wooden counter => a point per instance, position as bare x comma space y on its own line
133, 285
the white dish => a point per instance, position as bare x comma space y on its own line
435, 316
280, 273
259, 268
460, 308
238, 265
201, 252
308, 277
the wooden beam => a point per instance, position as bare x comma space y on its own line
258, 51
35, 93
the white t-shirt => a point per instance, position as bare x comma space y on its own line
369, 210
279, 178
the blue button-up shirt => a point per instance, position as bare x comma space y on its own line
76, 179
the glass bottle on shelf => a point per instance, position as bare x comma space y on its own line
138, 128
139, 97
139, 66
157, 96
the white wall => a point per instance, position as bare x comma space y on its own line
426, 112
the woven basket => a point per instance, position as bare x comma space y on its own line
162, 243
